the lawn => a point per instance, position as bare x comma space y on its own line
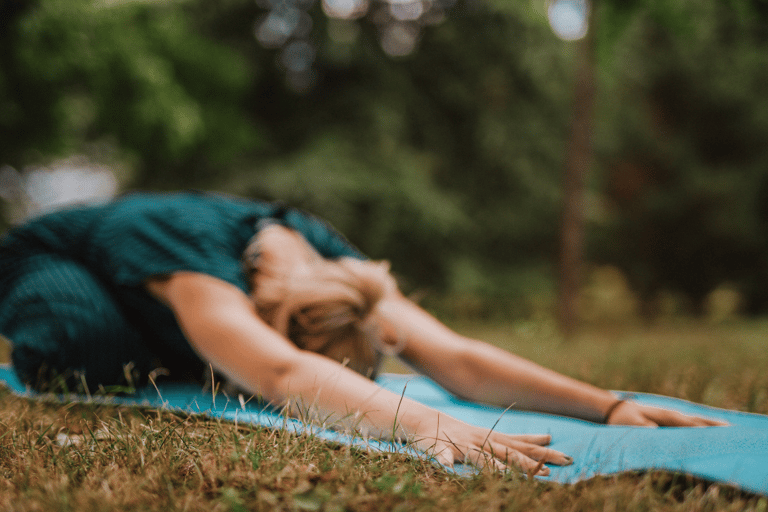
90, 457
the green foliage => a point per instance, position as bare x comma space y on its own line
429, 160
80, 73
681, 152
446, 161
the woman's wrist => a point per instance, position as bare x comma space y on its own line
609, 412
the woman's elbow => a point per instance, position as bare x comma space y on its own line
460, 374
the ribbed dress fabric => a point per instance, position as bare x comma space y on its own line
72, 296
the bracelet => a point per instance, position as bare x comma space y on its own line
610, 410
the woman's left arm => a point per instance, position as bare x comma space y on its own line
482, 372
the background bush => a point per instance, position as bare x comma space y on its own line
446, 160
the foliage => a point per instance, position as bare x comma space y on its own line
447, 160
435, 158
82, 76
681, 153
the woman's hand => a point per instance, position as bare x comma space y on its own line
631, 413
464, 443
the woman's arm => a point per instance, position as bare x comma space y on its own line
481, 372
221, 325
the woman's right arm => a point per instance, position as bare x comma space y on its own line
222, 326
484, 373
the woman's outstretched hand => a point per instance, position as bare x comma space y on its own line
634, 414
464, 443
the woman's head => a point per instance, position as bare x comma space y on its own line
321, 305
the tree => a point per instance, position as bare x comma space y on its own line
442, 157
128, 77
683, 163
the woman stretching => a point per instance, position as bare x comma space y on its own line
277, 302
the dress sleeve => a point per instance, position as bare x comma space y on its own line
143, 237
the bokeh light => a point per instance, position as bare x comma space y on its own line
569, 19
297, 57
278, 26
399, 39
345, 9
287, 26
405, 10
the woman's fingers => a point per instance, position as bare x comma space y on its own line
499, 455
533, 446
460, 442
631, 413
444, 454
514, 457
484, 460
677, 419
547, 455
540, 439
669, 418
502, 457
529, 456
535, 452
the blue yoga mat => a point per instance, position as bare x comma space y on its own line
736, 455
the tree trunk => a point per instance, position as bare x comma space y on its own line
577, 163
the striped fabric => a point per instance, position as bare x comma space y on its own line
71, 282
66, 322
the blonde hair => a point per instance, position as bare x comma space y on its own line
325, 306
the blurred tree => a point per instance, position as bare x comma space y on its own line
579, 158
703, 236
444, 159
82, 76
577, 165
682, 153
447, 159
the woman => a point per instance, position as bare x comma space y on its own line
280, 304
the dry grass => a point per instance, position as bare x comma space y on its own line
88, 457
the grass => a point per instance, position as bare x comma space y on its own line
85, 457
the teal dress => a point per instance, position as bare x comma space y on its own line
72, 296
